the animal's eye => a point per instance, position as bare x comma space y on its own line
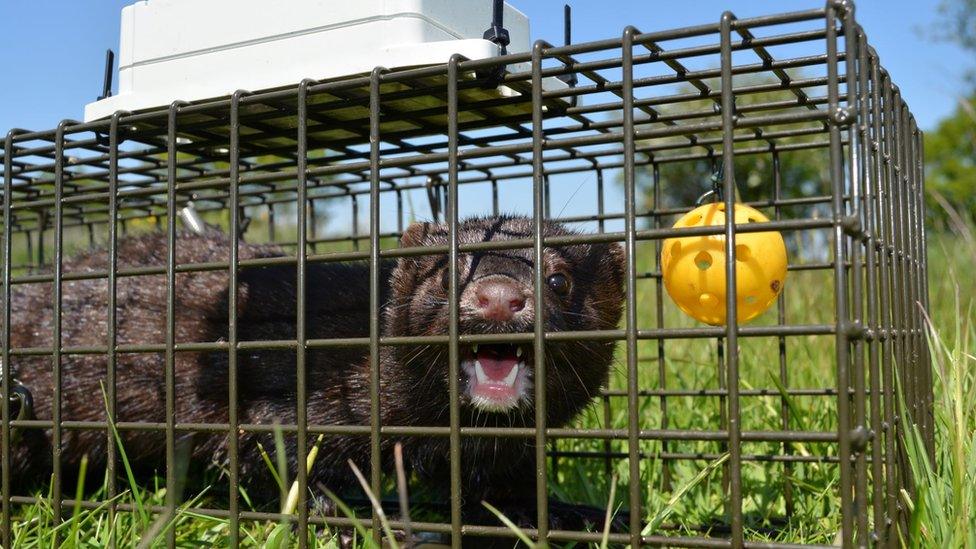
558, 283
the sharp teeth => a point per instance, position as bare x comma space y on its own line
510, 378
518, 352
479, 372
475, 348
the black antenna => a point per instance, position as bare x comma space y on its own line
107, 79
497, 32
567, 25
570, 78
499, 35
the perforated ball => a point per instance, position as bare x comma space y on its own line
694, 266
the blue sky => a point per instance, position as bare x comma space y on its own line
54, 49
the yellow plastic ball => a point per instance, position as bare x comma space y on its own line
694, 266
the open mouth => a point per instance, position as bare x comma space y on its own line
497, 376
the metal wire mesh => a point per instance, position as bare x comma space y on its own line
305, 159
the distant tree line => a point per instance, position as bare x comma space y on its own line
950, 149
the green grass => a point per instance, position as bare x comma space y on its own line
942, 507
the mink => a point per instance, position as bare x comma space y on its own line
583, 291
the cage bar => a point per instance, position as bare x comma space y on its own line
609, 155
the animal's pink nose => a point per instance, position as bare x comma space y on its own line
499, 300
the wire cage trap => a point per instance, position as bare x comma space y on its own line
717, 435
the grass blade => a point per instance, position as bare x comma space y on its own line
609, 517
511, 526
659, 517
377, 507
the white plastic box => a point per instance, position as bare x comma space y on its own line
197, 49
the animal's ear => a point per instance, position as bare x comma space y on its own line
607, 293
616, 254
419, 234
612, 260
416, 235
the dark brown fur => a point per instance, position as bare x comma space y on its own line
414, 380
